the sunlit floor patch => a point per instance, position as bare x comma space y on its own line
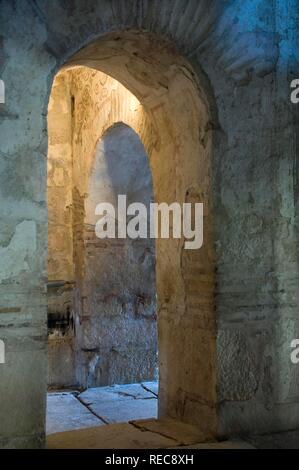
71, 410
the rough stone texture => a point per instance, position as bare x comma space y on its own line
105, 307
226, 131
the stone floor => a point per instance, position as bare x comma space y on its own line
124, 417
70, 410
118, 417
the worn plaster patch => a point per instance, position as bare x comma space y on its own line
14, 257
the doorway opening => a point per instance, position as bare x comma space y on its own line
102, 307
157, 94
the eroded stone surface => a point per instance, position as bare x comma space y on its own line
22, 246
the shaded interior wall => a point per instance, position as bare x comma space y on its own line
255, 223
102, 316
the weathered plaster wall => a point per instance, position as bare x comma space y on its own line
257, 282
244, 53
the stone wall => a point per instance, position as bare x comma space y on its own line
61, 349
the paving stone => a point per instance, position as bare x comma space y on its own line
65, 412
115, 392
114, 436
127, 409
183, 433
121, 403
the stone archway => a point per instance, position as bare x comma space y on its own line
168, 110
174, 125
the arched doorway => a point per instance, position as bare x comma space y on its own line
102, 294
173, 124
102, 311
